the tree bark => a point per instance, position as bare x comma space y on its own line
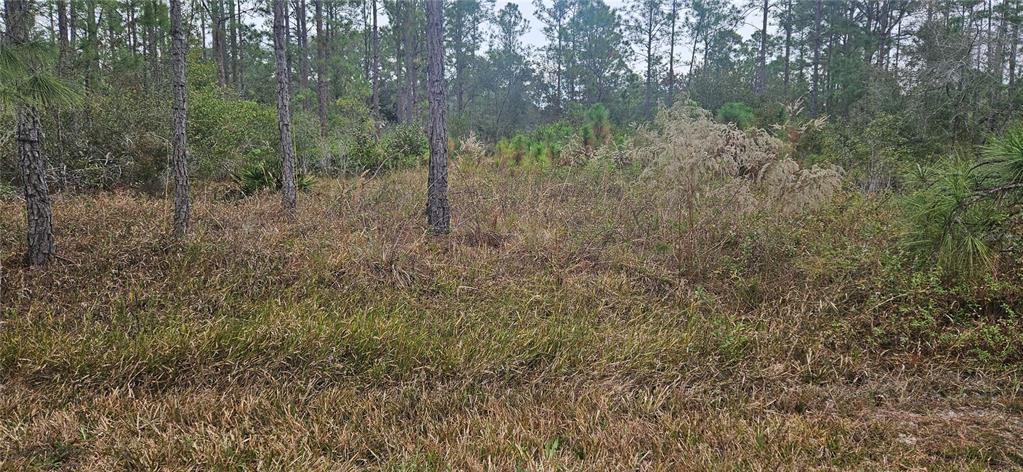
814, 92
151, 42
302, 38
438, 212
288, 191
62, 30
179, 140
321, 69
39, 211
671, 52
761, 81
648, 104
411, 66
235, 55
376, 62
218, 20
788, 46
37, 193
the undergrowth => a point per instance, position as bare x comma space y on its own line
572, 320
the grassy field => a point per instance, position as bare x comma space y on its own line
571, 321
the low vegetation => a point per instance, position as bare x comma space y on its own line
585, 317
673, 235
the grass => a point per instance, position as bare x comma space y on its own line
571, 321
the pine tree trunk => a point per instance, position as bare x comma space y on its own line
460, 54
92, 50
438, 213
202, 29
375, 65
648, 104
761, 82
219, 41
154, 69
412, 70
671, 52
37, 192
62, 43
39, 212
72, 21
235, 55
788, 46
302, 33
814, 92
179, 107
321, 69
288, 191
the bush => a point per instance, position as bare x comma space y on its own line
402, 147
228, 135
739, 114
266, 175
406, 146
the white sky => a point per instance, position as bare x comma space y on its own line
534, 38
535, 35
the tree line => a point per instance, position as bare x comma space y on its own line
927, 74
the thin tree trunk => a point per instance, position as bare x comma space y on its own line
133, 37
561, 64
288, 191
72, 18
39, 212
178, 140
367, 43
761, 81
1012, 56
818, 14
376, 62
154, 70
302, 33
235, 11
648, 104
400, 30
438, 212
218, 21
692, 59
671, 52
92, 51
202, 30
411, 67
321, 69
62, 31
788, 46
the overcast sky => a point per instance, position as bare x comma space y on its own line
535, 38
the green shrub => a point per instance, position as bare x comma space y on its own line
266, 175
226, 135
405, 146
401, 147
737, 113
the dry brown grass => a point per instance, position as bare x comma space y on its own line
572, 321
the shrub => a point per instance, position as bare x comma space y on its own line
688, 154
266, 175
401, 147
737, 113
405, 146
226, 135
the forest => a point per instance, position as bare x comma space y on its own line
418, 235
